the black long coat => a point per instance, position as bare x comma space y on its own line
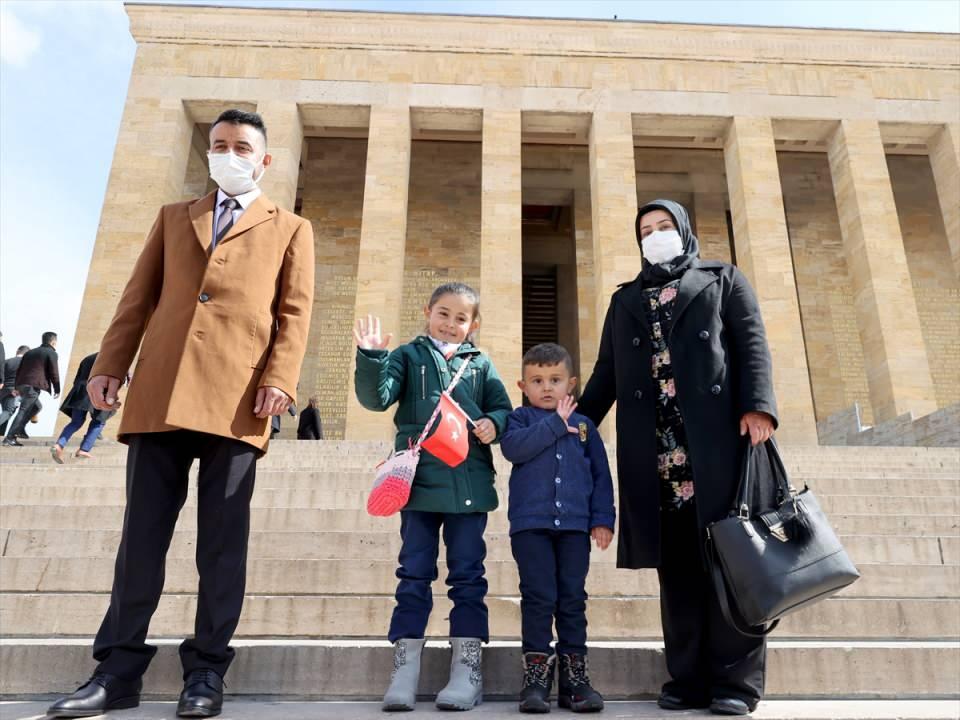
77, 398
722, 369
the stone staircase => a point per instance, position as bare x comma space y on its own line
320, 582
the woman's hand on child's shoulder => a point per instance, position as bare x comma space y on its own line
366, 333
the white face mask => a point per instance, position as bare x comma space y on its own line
234, 174
661, 246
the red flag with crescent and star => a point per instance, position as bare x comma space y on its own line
450, 441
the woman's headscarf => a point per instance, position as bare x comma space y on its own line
656, 275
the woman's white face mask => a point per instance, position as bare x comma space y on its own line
661, 246
233, 173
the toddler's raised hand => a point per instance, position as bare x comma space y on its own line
366, 333
565, 409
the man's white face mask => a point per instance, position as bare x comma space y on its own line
234, 174
661, 246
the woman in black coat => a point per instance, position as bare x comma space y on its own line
310, 426
684, 355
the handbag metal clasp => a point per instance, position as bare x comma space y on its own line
744, 513
778, 532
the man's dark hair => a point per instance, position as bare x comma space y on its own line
548, 354
241, 117
22, 349
47, 337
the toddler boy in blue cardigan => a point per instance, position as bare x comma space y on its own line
561, 494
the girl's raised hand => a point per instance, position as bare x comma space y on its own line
366, 333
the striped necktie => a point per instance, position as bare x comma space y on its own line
225, 222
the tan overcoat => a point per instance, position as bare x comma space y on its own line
214, 328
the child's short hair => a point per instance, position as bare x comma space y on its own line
547, 354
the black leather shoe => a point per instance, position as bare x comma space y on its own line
669, 701
729, 706
202, 694
12, 442
100, 693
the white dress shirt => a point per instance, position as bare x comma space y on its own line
244, 201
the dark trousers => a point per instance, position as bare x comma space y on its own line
8, 406
157, 467
29, 397
466, 551
77, 418
706, 658
553, 569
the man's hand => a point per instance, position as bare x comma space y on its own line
759, 425
602, 536
271, 401
103, 390
485, 431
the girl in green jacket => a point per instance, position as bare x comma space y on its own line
454, 499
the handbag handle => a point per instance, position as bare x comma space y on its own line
744, 496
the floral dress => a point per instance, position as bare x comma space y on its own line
673, 461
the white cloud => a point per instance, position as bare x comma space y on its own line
17, 41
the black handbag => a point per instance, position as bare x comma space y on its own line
766, 562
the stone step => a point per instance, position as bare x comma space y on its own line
78, 497
33, 614
361, 669
241, 708
327, 544
376, 577
308, 519
115, 477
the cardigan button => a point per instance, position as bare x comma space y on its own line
638, 394
715, 389
557, 522
636, 342
704, 335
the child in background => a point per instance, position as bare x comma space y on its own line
456, 499
561, 495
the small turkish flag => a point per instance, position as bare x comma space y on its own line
449, 441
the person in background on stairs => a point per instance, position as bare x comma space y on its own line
684, 355
9, 397
37, 372
76, 406
561, 495
454, 499
310, 426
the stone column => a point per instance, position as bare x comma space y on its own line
763, 254
383, 237
945, 160
285, 144
895, 356
501, 244
148, 171
613, 208
711, 215
587, 302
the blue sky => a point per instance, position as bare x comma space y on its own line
64, 68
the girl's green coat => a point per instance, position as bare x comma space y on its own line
414, 375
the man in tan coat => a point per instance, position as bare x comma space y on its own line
221, 298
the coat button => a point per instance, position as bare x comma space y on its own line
468, 502
638, 394
704, 335
204, 297
715, 389
636, 342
